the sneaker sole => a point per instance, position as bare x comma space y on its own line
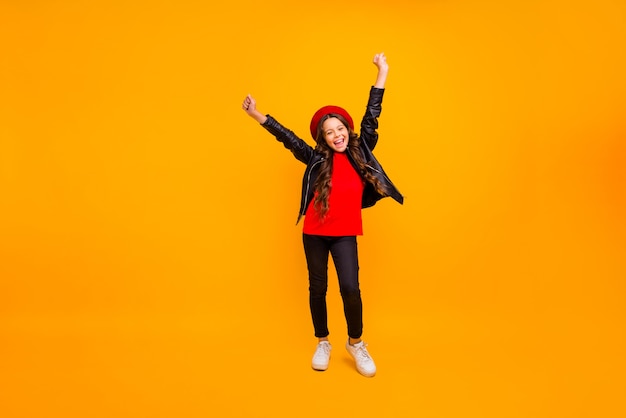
320, 368
366, 374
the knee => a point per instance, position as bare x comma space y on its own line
351, 294
318, 288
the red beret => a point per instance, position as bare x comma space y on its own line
325, 111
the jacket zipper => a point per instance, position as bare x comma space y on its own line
306, 194
381, 173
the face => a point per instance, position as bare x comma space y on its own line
336, 134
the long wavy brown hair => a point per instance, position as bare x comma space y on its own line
322, 184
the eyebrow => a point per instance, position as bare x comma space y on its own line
338, 126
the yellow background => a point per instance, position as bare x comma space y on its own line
149, 262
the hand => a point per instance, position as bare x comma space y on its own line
380, 61
249, 105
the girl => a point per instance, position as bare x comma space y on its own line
341, 177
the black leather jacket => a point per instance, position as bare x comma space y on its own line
368, 139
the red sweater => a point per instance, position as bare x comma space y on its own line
344, 203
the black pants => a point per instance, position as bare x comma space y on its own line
346, 260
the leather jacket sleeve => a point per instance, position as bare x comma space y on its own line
369, 123
300, 149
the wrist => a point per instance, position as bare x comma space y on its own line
380, 81
259, 117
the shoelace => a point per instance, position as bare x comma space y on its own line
362, 352
325, 348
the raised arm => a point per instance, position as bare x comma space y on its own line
300, 149
249, 106
369, 123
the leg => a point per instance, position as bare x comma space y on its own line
345, 256
346, 260
316, 251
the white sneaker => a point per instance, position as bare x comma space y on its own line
364, 363
321, 356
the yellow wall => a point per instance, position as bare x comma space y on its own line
137, 198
